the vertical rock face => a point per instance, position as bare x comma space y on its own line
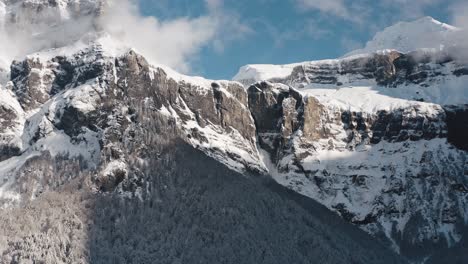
275, 109
395, 167
86, 108
11, 125
8, 122
114, 166
457, 125
265, 103
313, 113
379, 67
415, 76
33, 83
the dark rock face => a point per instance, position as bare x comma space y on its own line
460, 72
265, 102
35, 82
302, 129
32, 85
457, 123
7, 151
378, 67
265, 107
399, 126
274, 113
222, 106
275, 109
102, 105
8, 120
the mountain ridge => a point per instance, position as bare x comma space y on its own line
370, 137
136, 121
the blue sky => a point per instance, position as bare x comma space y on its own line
286, 31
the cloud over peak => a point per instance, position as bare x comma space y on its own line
173, 42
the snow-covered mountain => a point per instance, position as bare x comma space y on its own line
107, 157
376, 137
424, 33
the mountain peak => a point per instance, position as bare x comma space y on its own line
423, 33
425, 19
431, 22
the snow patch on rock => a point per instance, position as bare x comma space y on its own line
253, 73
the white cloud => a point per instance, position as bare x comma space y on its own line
25, 29
174, 42
334, 7
355, 11
170, 42
229, 24
349, 44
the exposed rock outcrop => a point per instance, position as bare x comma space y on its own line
94, 104
115, 166
390, 170
457, 125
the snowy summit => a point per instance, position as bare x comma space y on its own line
424, 33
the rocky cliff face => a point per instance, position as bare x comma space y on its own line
418, 71
111, 150
395, 167
392, 166
86, 107
99, 145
